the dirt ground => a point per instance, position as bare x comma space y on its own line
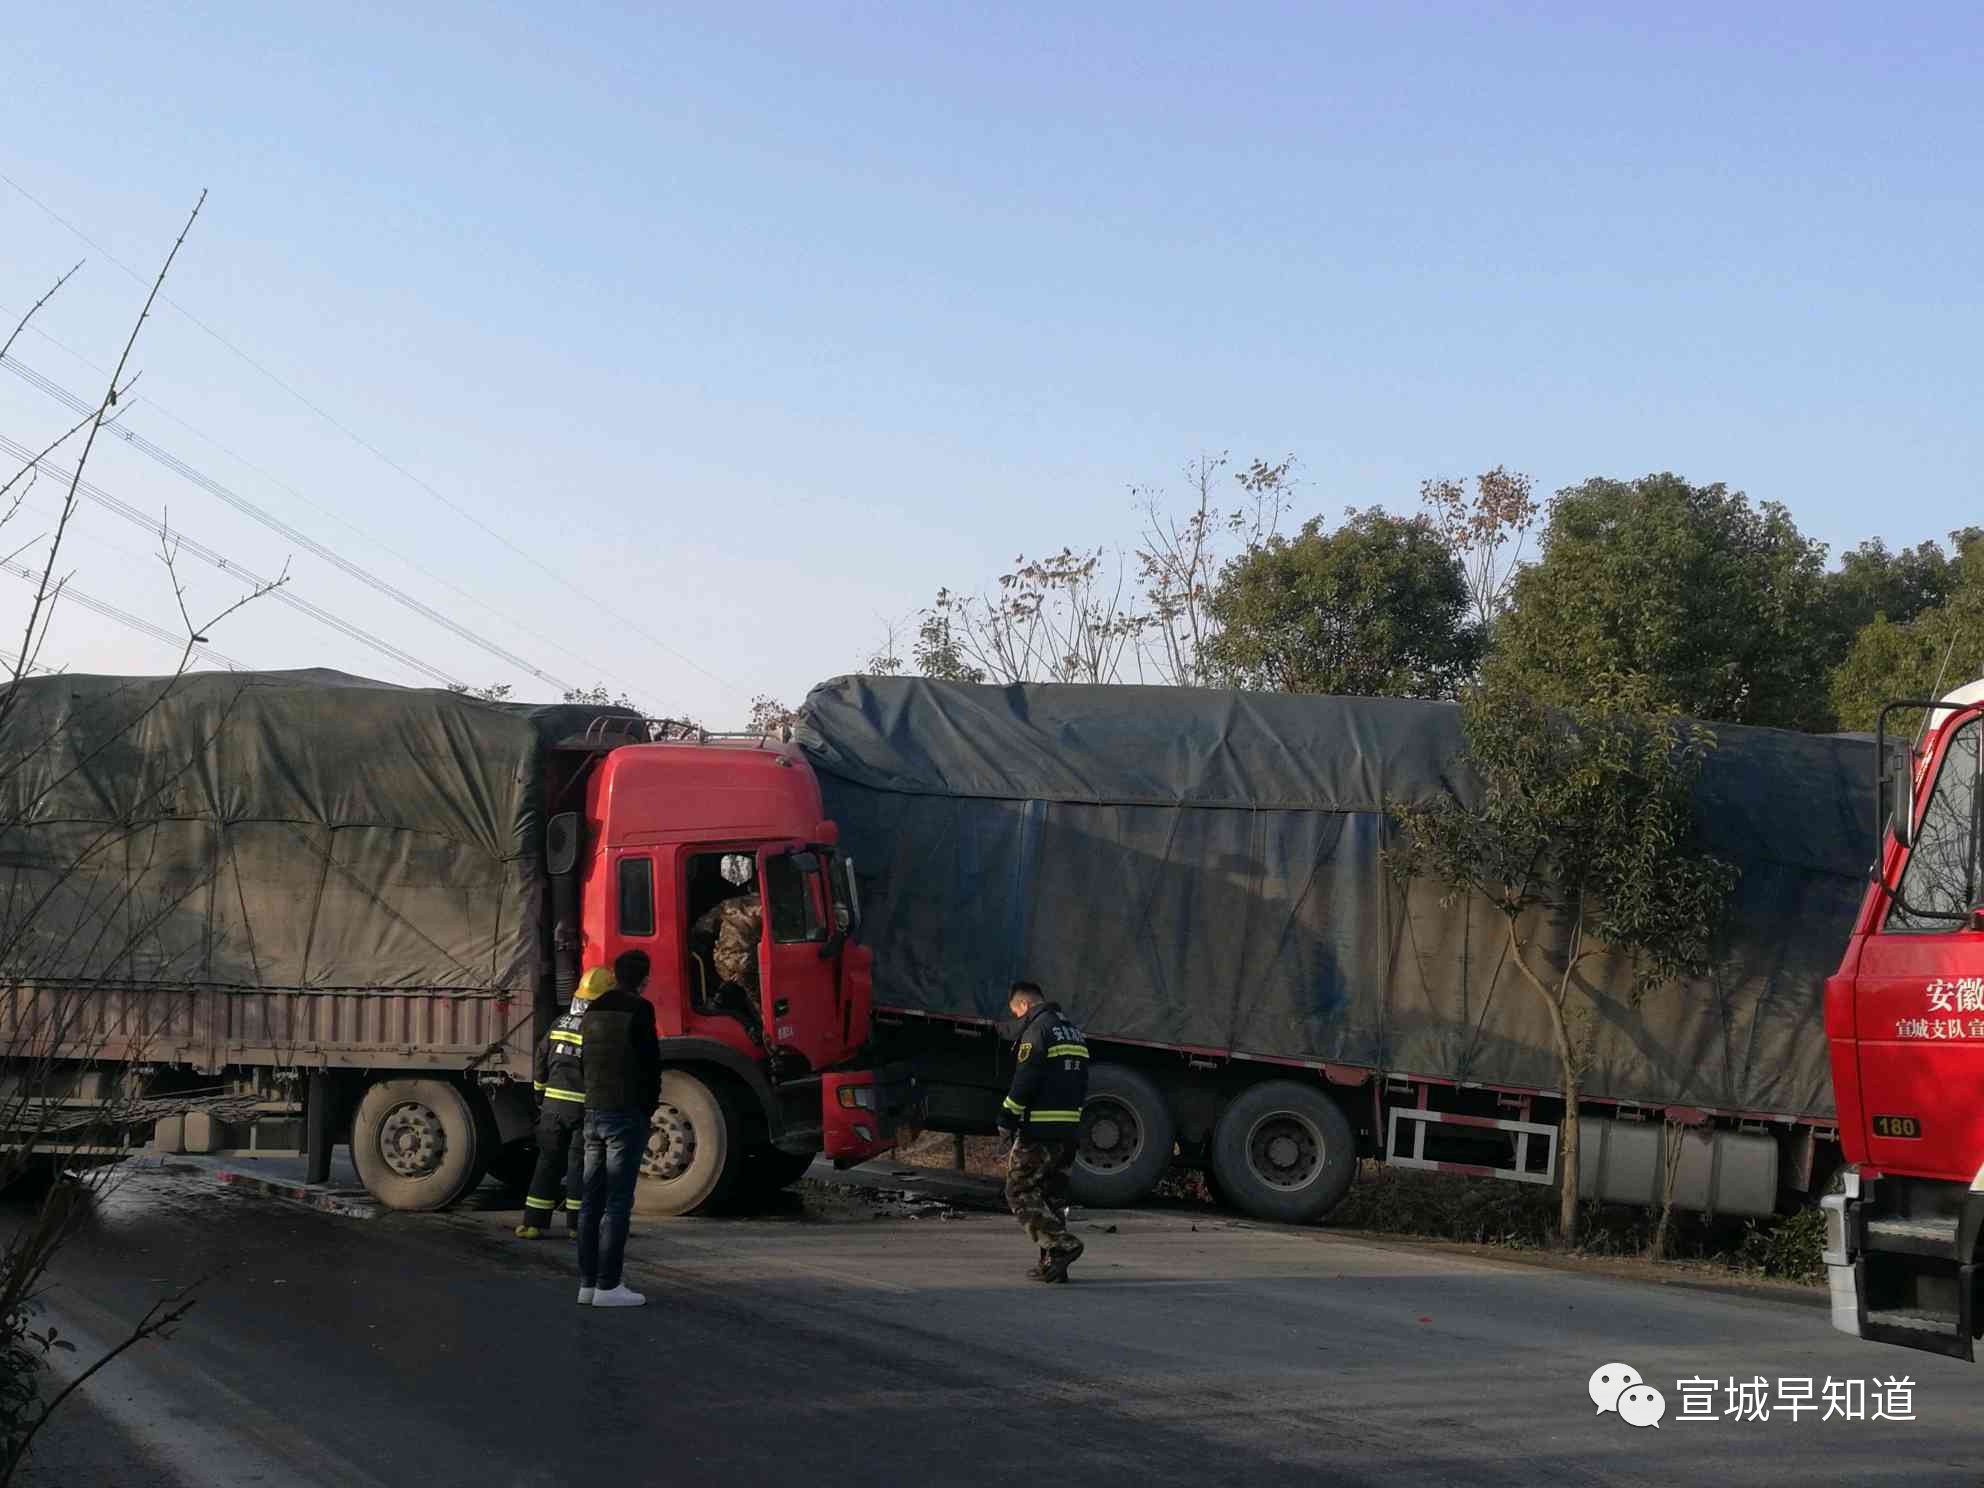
982, 1157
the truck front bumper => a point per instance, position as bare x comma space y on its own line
1842, 1276
860, 1111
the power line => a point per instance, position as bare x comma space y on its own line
274, 523
372, 449
122, 617
10, 660
508, 616
181, 542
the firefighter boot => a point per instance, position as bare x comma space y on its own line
1057, 1265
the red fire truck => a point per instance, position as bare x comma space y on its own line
1905, 1027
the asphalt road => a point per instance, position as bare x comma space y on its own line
823, 1344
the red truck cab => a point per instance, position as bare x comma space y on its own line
1905, 1031
753, 1087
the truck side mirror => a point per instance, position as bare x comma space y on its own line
561, 843
1897, 799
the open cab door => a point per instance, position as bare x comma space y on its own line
798, 976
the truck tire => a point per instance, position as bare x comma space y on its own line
1283, 1151
1126, 1140
416, 1143
695, 1150
488, 1142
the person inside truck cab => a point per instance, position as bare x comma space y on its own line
724, 943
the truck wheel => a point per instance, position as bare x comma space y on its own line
1126, 1139
416, 1143
694, 1151
1283, 1151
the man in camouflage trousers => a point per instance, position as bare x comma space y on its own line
728, 934
1043, 1111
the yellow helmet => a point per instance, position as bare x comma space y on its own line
595, 983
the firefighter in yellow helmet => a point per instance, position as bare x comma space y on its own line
561, 1088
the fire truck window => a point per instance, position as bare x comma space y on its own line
636, 896
792, 899
1942, 881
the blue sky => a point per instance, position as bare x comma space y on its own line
757, 327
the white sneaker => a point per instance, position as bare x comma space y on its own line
585, 1296
620, 1296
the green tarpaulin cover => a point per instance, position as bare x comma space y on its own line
1204, 868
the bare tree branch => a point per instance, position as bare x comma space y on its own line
33, 467
1181, 560
23, 323
159, 1320
44, 597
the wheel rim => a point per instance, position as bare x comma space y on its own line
1112, 1137
413, 1139
1285, 1150
671, 1150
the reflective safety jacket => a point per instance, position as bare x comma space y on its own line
1051, 1081
559, 1075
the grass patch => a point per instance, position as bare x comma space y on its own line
1523, 1216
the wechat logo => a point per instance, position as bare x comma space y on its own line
1618, 1387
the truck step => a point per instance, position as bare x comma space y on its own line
1924, 1237
1929, 1329
1916, 1320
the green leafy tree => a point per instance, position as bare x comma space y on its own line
1580, 830
1926, 655
497, 693
943, 648
1377, 608
1872, 582
1719, 604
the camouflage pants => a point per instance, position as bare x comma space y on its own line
1037, 1189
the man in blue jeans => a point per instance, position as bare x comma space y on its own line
622, 1066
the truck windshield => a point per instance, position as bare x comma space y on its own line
1941, 883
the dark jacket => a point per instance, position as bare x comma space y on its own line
621, 1054
1051, 1080
560, 1068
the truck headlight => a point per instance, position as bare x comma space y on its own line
856, 1097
